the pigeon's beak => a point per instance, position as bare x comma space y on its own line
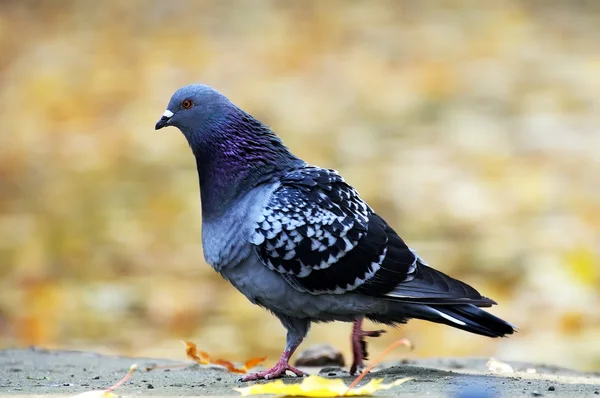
164, 120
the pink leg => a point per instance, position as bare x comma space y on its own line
359, 345
280, 367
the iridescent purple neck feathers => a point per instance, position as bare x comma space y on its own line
235, 154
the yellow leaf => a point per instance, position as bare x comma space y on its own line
315, 386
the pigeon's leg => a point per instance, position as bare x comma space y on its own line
296, 331
359, 345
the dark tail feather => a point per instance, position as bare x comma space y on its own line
468, 317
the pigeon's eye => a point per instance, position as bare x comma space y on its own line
186, 104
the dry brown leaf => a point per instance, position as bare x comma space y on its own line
191, 351
203, 358
254, 362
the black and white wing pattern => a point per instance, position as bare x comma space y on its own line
309, 225
323, 238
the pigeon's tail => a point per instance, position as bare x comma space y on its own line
470, 318
462, 316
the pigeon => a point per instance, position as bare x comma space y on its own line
299, 241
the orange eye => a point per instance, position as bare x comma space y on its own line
186, 104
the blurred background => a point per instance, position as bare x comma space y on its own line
472, 127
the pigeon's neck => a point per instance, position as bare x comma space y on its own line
239, 156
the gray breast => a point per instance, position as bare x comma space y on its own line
225, 240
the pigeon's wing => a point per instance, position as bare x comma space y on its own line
318, 233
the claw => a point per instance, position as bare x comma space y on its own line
372, 333
282, 366
275, 372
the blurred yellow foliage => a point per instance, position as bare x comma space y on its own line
472, 127
584, 265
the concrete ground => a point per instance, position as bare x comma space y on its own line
27, 372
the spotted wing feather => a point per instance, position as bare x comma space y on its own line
309, 225
323, 238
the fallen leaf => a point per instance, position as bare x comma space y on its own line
254, 362
191, 351
108, 392
203, 358
316, 386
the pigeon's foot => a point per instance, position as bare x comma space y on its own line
282, 366
359, 345
275, 372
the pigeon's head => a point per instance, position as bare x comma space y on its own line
228, 143
195, 108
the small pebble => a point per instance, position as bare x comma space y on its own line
333, 371
320, 355
551, 388
537, 394
96, 378
451, 364
150, 386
